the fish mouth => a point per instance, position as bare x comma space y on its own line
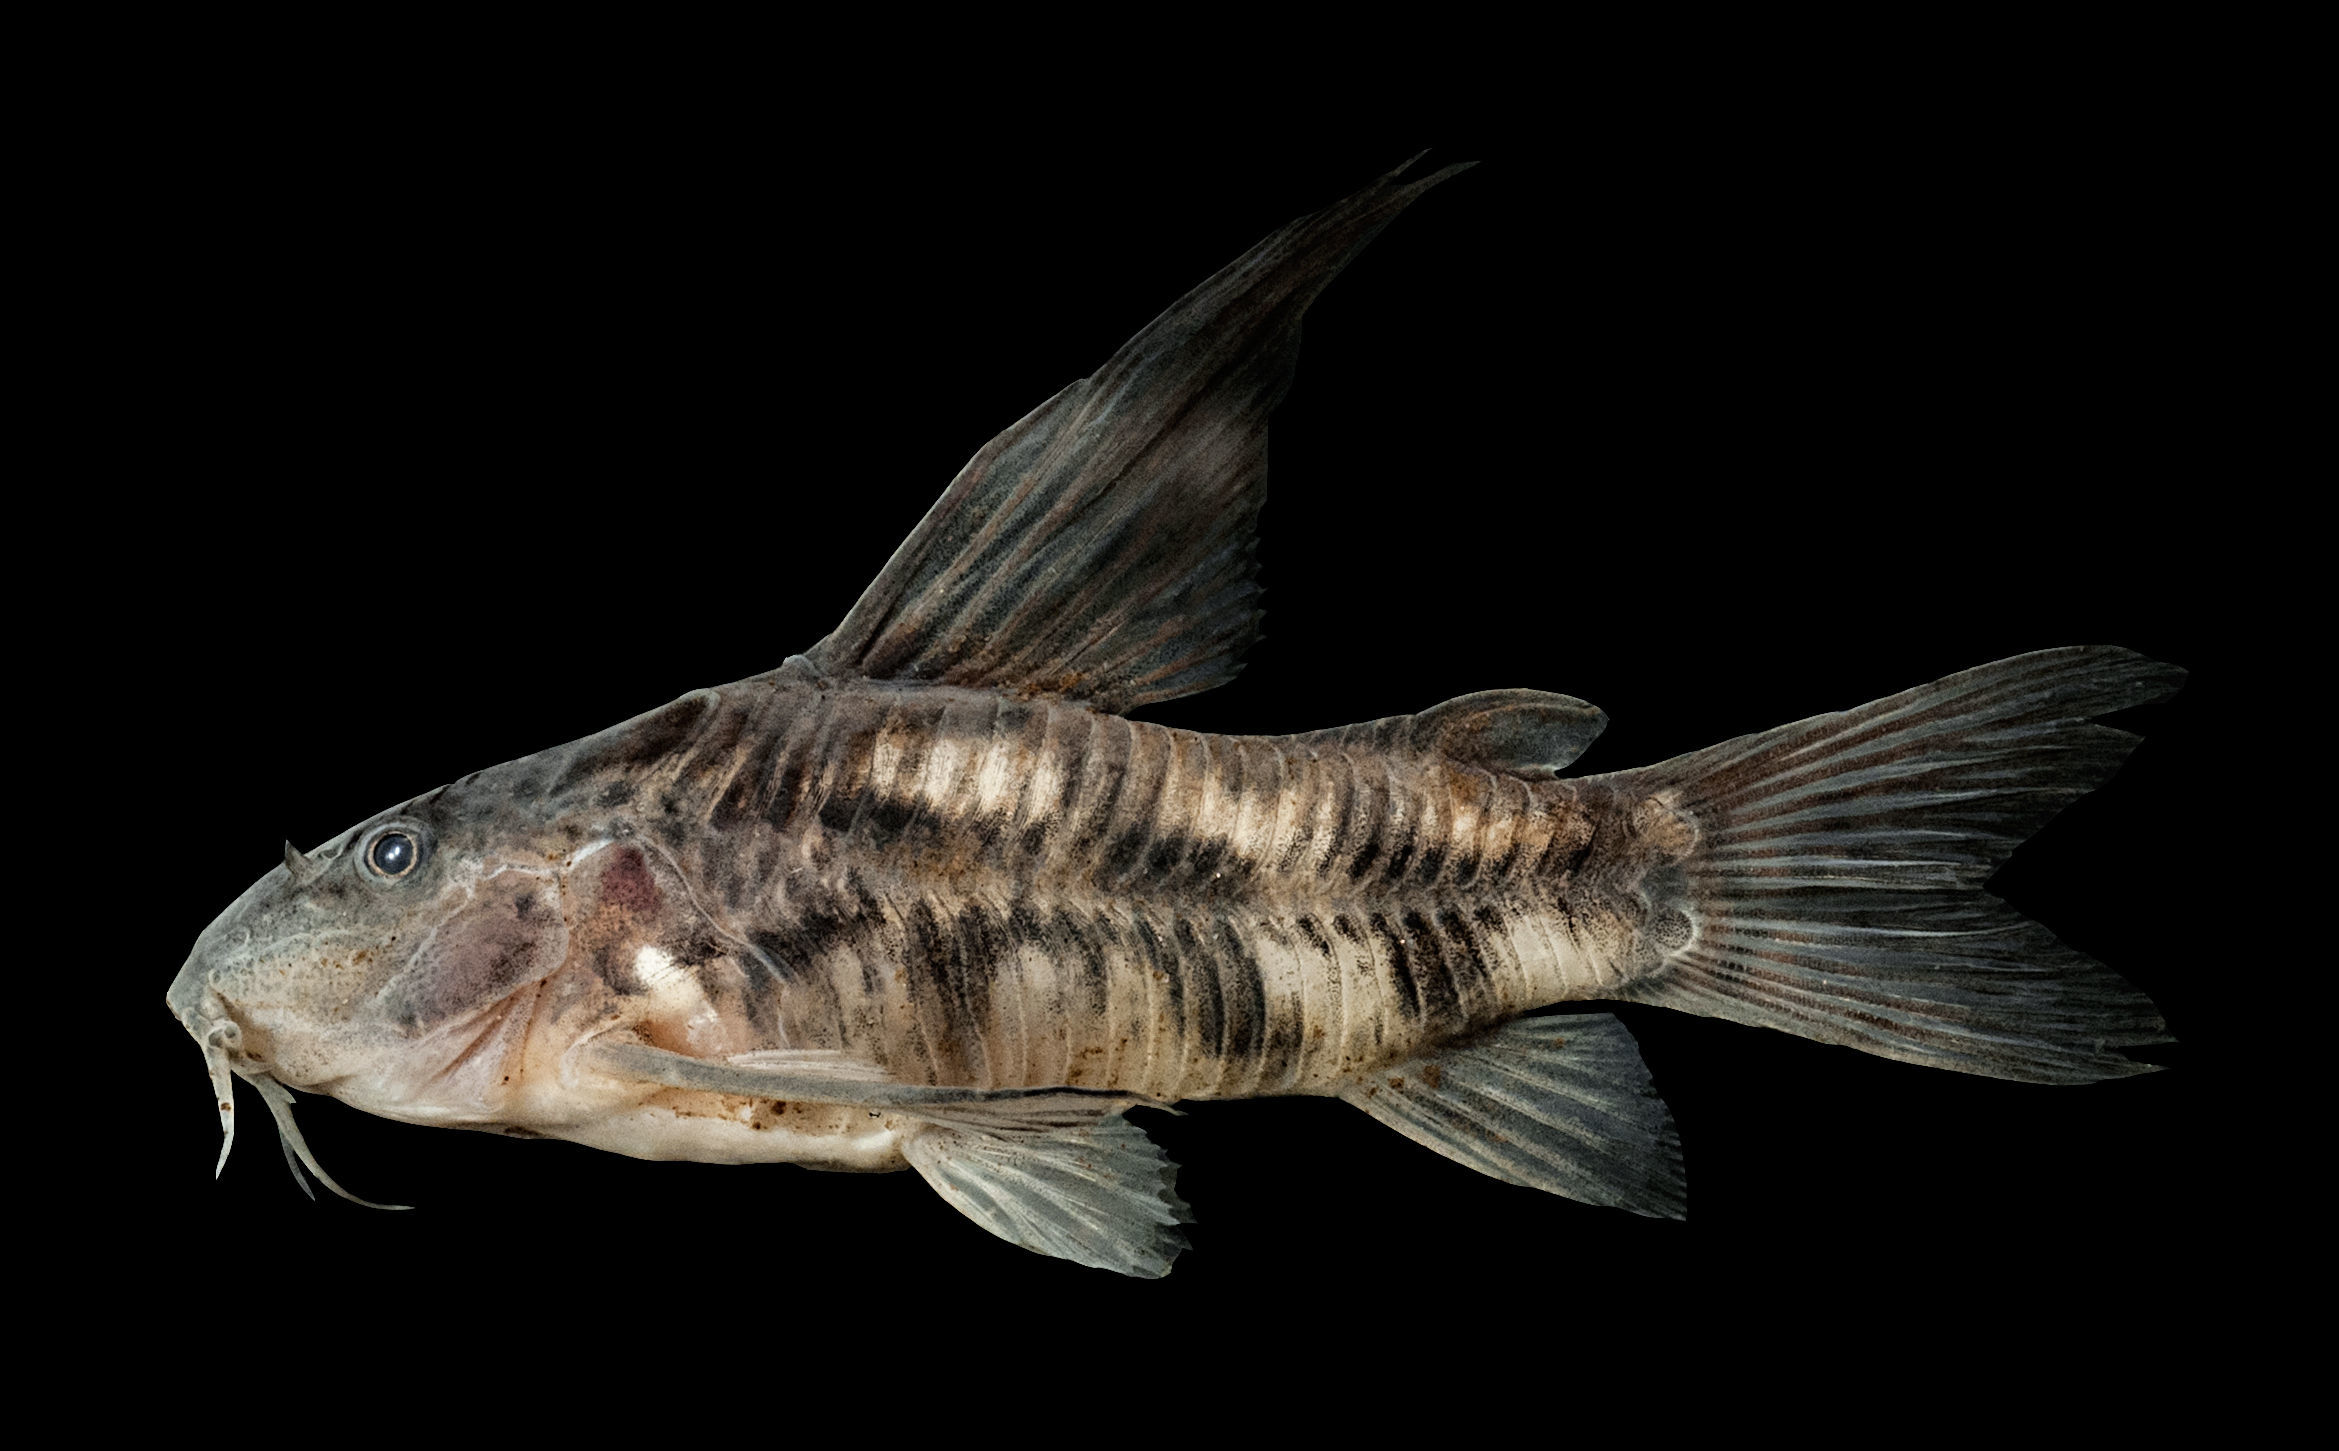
207, 1018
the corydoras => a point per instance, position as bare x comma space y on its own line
924, 895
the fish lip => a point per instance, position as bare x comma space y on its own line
192, 998
212, 1021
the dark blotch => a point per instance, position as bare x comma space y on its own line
982, 941
1465, 867
883, 824
1209, 993
1093, 983
1125, 851
989, 834
1161, 960
1441, 1003
1243, 988
930, 964
1432, 858
1207, 856
736, 805
1168, 850
1575, 858
837, 810
1508, 860
1339, 827
1075, 766
648, 742
1316, 938
823, 922
849, 775
1466, 960
1400, 967
785, 790
1398, 857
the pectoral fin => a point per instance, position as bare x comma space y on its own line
817, 1076
1561, 1104
1100, 1195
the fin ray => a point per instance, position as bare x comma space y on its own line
1102, 549
1560, 1104
1102, 1195
1835, 888
823, 1077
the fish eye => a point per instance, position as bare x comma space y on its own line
393, 853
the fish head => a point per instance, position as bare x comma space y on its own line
394, 968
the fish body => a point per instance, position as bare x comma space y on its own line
926, 896
966, 889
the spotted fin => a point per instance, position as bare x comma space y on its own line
1101, 550
1101, 1195
1561, 1104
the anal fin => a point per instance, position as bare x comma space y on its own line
1102, 1194
1561, 1104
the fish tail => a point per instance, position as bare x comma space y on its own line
1829, 877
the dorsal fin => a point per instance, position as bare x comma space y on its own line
1101, 550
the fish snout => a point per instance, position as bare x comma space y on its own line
210, 1021
203, 1013
190, 997
201, 997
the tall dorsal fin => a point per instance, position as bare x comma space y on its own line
1101, 550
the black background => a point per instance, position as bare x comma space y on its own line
462, 439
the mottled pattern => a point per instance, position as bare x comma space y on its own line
978, 890
922, 898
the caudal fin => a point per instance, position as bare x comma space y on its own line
1835, 889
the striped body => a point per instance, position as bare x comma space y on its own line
974, 890
924, 897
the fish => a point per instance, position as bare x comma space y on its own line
927, 896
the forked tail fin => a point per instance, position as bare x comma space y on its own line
1835, 888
